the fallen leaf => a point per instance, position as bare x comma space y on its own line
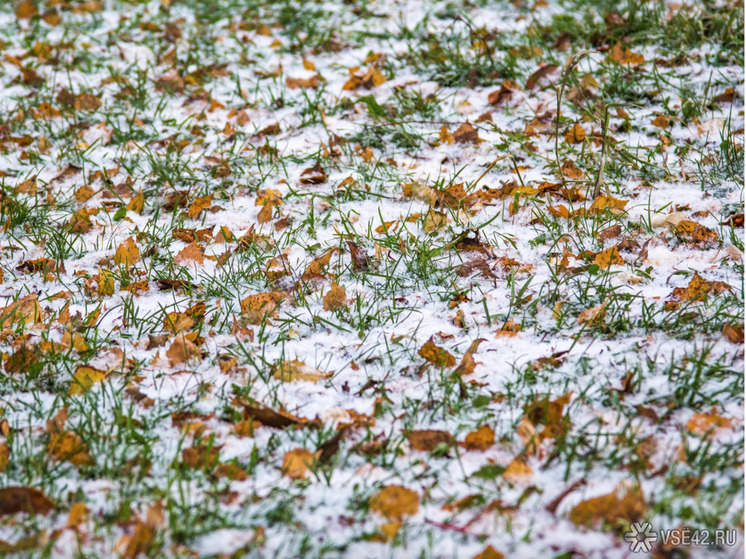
539, 74
26, 10
190, 253
481, 439
77, 516
575, 135
272, 418
594, 314
702, 423
489, 553
427, 439
181, 351
305, 83
68, 446
16, 499
466, 134
467, 365
127, 253
733, 334
25, 309
85, 377
260, 305
335, 298
610, 509
289, 371
698, 289
518, 472
608, 257
314, 175
436, 355
395, 502
199, 205
137, 204
297, 462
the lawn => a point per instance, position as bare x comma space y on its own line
371, 279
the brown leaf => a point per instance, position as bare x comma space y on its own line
310, 83
137, 204
360, 260
733, 334
336, 298
25, 309
698, 289
190, 253
610, 233
23, 499
542, 72
467, 365
314, 175
625, 56
69, 447
436, 355
481, 439
661, 121
607, 202
518, 471
702, 423
80, 222
181, 351
297, 462
127, 253
316, 269
593, 314
200, 457
427, 439
610, 509
271, 418
695, 234
466, 134
257, 306
87, 102
571, 170
395, 502
138, 543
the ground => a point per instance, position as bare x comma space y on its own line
371, 279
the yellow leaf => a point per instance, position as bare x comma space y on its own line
297, 462
428, 439
701, 423
489, 552
181, 351
436, 355
610, 509
137, 204
395, 502
127, 253
445, 135
84, 378
198, 205
593, 314
608, 257
467, 365
434, 220
308, 65
69, 447
518, 472
77, 516
289, 371
191, 253
105, 282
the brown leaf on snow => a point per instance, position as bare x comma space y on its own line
190, 253
316, 269
25, 309
466, 134
69, 447
395, 502
608, 257
262, 304
575, 135
436, 355
314, 175
360, 260
307, 83
198, 205
518, 471
26, 10
427, 439
335, 298
467, 365
272, 418
733, 334
80, 222
489, 552
610, 509
694, 234
23, 499
85, 377
594, 314
624, 56
181, 350
542, 72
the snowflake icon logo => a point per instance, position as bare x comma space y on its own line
640, 537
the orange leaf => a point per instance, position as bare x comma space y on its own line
336, 298
297, 370
198, 205
467, 365
481, 439
181, 351
489, 553
191, 253
68, 446
701, 423
610, 509
297, 462
84, 378
608, 257
23, 499
436, 355
518, 472
575, 135
26, 10
395, 502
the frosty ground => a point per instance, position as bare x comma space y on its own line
370, 279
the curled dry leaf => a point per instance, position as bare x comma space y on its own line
466, 134
427, 439
395, 502
467, 365
127, 253
698, 289
272, 418
199, 205
594, 314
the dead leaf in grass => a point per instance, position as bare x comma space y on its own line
467, 365
127, 253
576, 134
190, 253
702, 423
297, 462
607, 258
289, 371
395, 502
68, 446
181, 351
24, 499
85, 376
335, 298
610, 508
427, 439
481, 439
436, 355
